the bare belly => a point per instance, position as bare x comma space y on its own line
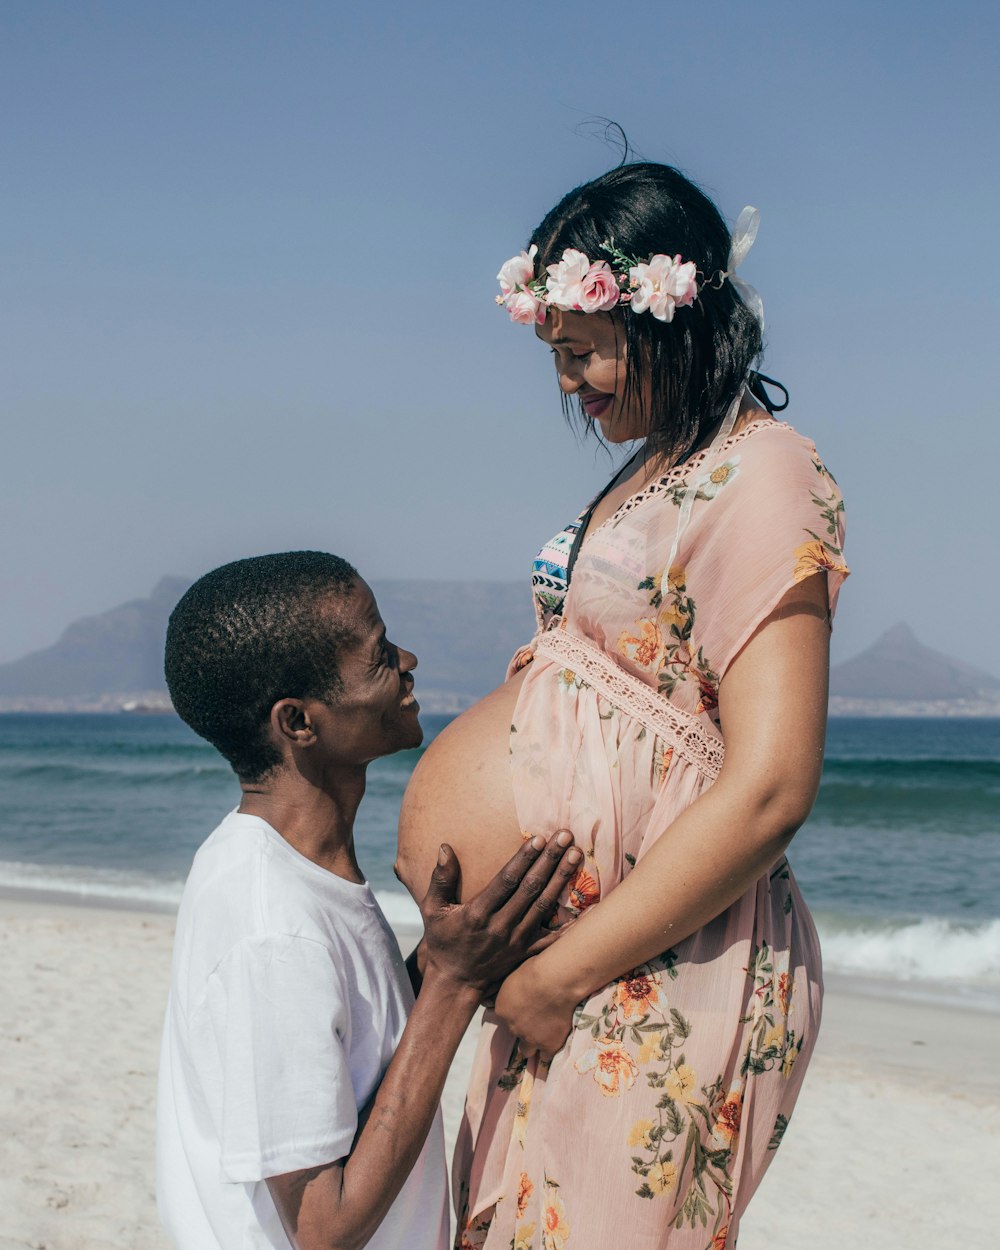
460, 793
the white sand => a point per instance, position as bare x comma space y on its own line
895, 1142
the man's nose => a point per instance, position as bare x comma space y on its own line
407, 660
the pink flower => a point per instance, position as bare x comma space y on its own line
662, 285
518, 271
524, 309
565, 280
599, 288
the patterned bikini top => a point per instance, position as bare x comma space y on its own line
549, 576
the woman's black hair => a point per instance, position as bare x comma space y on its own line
688, 371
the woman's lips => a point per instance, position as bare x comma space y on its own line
595, 406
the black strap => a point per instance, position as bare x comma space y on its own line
756, 381
588, 515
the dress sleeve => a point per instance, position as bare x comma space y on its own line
279, 1015
770, 516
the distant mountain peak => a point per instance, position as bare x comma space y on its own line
899, 666
899, 635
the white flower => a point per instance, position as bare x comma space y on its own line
518, 271
663, 284
565, 280
709, 484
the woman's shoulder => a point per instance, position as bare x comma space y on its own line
768, 451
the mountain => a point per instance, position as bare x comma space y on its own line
898, 666
120, 651
462, 632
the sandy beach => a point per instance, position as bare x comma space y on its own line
895, 1141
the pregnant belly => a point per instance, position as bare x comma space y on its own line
461, 793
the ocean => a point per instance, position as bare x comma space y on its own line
899, 862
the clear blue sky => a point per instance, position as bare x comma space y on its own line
247, 279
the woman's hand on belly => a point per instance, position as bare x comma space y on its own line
534, 1011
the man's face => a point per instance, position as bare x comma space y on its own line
375, 712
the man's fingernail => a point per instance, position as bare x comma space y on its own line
537, 842
442, 855
574, 856
564, 837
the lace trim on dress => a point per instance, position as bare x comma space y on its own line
681, 472
688, 736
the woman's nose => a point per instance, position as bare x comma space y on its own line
569, 379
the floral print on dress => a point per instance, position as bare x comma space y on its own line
666, 644
818, 553
555, 1226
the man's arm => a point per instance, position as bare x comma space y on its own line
469, 950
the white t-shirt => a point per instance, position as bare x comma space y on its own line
288, 998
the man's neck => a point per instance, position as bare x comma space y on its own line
317, 820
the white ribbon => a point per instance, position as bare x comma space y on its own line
697, 480
744, 233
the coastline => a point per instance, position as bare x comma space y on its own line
893, 1091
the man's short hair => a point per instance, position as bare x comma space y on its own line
248, 634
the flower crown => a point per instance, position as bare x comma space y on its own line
659, 285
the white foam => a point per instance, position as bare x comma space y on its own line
91, 884
931, 949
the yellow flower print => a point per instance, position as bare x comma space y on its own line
662, 1176
677, 577
788, 1060
613, 1067
524, 1191
639, 1134
645, 647
681, 1083
654, 1048
567, 680
812, 557
555, 1229
638, 994
524, 1236
673, 616
774, 1038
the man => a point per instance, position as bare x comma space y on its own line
297, 1104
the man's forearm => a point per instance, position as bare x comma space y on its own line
341, 1206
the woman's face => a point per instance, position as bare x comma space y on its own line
589, 353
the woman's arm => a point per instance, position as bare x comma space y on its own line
773, 705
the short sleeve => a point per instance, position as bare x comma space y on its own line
278, 1012
769, 516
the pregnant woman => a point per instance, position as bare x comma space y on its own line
635, 1079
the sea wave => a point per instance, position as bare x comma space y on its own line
106, 774
91, 885
933, 950
930, 949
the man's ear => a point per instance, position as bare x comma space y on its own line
292, 724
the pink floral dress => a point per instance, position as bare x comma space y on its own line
654, 1124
